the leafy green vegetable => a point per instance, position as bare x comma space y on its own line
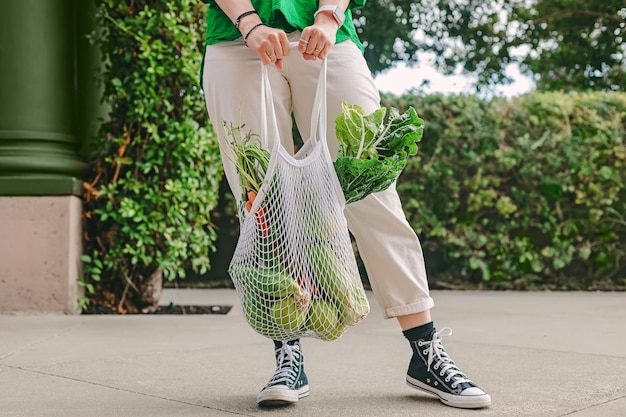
250, 158
374, 148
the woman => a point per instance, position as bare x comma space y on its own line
240, 33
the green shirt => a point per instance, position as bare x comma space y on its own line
288, 15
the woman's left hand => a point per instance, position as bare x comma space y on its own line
316, 40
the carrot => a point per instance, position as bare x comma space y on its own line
251, 196
260, 214
260, 219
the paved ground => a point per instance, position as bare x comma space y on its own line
537, 354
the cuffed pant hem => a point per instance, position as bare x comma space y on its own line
405, 310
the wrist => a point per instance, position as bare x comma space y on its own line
248, 23
252, 29
242, 16
326, 19
330, 13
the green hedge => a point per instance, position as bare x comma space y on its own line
523, 194
155, 172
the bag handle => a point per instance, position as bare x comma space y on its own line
267, 108
268, 112
318, 116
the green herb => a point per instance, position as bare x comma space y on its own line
374, 148
249, 157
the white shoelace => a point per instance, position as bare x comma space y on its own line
285, 371
437, 352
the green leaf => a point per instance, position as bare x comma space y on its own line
373, 150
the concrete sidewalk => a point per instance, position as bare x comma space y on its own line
537, 354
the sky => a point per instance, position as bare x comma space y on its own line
401, 79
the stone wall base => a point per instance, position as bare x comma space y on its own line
40, 249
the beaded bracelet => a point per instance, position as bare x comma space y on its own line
245, 38
241, 16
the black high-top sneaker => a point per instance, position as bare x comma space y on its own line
289, 383
431, 370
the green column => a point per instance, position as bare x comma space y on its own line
38, 90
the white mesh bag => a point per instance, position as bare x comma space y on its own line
294, 267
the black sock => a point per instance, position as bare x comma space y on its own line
425, 331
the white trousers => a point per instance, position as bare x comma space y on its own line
389, 247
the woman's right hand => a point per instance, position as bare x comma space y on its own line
270, 44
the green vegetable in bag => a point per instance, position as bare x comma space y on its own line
350, 300
288, 314
323, 316
332, 334
257, 312
328, 271
359, 308
275, 283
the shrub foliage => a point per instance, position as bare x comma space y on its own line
155, 170
528, 193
